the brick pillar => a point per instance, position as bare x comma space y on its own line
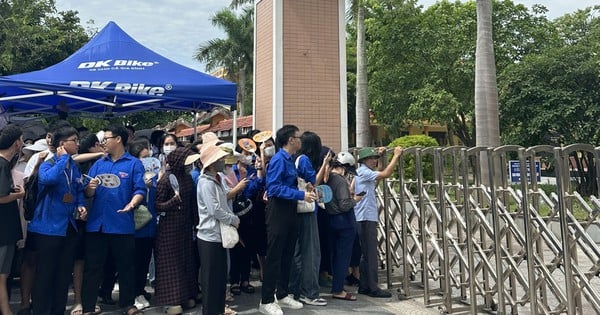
300, 68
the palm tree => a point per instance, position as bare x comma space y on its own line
487, 127
357, 12
234, 53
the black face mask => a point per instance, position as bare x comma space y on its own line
219, 165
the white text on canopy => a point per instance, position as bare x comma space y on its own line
122, 87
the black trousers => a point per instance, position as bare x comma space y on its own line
367, 233
213, 276
53, 271
143, 253
97, 245
282, 233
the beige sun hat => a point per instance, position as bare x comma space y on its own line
191, 159
210, 138
210, 154
232, 155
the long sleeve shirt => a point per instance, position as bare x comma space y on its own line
212, 209
57, 179
281, 178
107, 200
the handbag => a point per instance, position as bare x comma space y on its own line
241, 205
229, 235
141, 216
303, 206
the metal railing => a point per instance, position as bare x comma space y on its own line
467, 240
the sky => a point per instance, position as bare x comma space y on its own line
176, 28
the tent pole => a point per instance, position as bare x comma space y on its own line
234, 127
195, 125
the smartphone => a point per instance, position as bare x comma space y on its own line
362, 193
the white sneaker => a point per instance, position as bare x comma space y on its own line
270, 309
140, 302
318, 301
289, 302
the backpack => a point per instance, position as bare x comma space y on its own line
32, 195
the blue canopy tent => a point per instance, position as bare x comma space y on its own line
113, 75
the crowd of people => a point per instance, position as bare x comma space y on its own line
111, 207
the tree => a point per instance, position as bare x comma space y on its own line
33, 35
362, 125
421, 63
487, 127
551, 97
234, 53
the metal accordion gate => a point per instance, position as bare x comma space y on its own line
467, 240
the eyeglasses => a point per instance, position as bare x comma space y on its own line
74, 140
106, 138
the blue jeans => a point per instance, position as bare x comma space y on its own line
304, 273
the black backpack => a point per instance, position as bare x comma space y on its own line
32, 195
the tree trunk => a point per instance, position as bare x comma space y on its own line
363, 137
487, 128
242, 91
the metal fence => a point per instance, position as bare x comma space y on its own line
467, 240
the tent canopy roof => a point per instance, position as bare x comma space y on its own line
113, 74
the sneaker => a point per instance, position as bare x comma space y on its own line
289, 302
317, 302
270, 309
140, 302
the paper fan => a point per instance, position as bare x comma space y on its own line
247, 145
262, 136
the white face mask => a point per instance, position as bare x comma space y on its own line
270, 151
228, 170
168, 149
247, 159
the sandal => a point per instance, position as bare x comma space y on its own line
235, 289
97, 310
229, 311
347, 297
248, 288
132, 310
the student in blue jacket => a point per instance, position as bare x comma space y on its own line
110, 221
52, 232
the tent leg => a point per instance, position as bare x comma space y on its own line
234, 127
195, 126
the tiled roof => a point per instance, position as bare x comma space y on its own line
223, 125
227, 124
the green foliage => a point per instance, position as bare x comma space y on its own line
235, 52
551, 97
421, 63
409, 161
33, 35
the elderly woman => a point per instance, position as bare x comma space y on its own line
173, 253
212, 211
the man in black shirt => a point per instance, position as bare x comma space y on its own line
11, 141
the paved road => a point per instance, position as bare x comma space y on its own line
248, 304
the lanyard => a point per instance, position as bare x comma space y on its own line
69, 178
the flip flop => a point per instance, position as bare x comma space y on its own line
347, 297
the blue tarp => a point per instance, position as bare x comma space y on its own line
113, 74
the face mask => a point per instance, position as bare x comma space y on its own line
219, 166
269, 151
247, 160
168, 149
228, 170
